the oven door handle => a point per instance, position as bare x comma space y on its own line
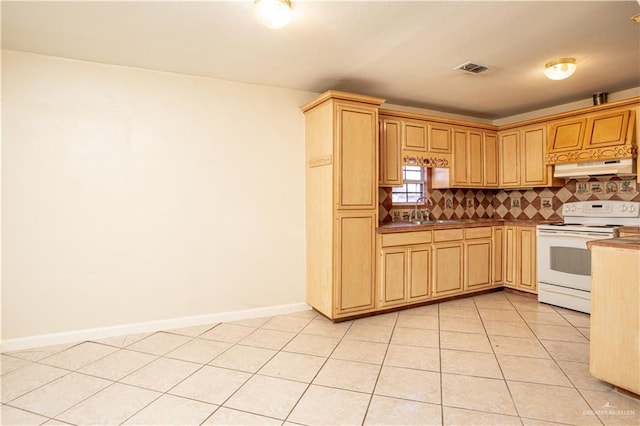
581, 235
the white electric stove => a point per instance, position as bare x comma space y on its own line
564, 261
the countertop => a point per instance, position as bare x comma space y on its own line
393, 227
630, 229
627, 243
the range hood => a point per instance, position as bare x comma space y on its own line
620, 167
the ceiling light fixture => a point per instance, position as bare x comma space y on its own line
560, 68
273, 13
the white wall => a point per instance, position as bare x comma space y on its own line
584, 103
131, 195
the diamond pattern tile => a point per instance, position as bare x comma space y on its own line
490, 203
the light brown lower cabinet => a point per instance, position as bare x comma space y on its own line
526, 265
478, 256
425, 265
405, 268
447, 268
509, 244
354, 262
498, 255
448, 262
520, 266
615, 316
406, 275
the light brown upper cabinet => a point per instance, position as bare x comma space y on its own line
474, 159
509, 148
415, 135
522, 152
423, 142
533, 171
439, 140
607, 129
567, 135
490, 159
390, 168
356, 158
592, 136
460, 166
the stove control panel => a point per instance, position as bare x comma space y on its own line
602, 209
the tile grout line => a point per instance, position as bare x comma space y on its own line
167, 391
495, 355
551, 357
253, 374
286, 419
308, 385
69, 372
375, 385
125, 384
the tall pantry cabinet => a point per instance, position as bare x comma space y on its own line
341, 175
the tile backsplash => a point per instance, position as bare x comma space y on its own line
536, 203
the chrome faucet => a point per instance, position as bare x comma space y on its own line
415, 210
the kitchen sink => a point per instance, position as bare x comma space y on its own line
433, 222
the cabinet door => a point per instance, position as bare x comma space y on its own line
419, 272
510, 256
534, 171
608, 129
526, 278
354, 251
490, 160
498, 255
509, 158
393, 276
476, 159
439, 139
356, 159
567, 135
390, 153
459, 160
478, 255
447, 269
414, 135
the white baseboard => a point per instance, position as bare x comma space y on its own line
146, 327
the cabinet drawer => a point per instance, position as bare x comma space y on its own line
406, 238
484, 232
448, 235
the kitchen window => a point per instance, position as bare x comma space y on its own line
414, 183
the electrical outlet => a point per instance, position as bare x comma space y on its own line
515, 202
469, 203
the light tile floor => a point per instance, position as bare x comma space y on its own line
498, 359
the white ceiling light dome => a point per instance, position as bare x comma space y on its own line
273, 13
560, 68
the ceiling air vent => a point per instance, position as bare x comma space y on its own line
471, 68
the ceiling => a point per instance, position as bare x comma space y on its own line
402, 51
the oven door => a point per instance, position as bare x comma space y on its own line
564, 259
